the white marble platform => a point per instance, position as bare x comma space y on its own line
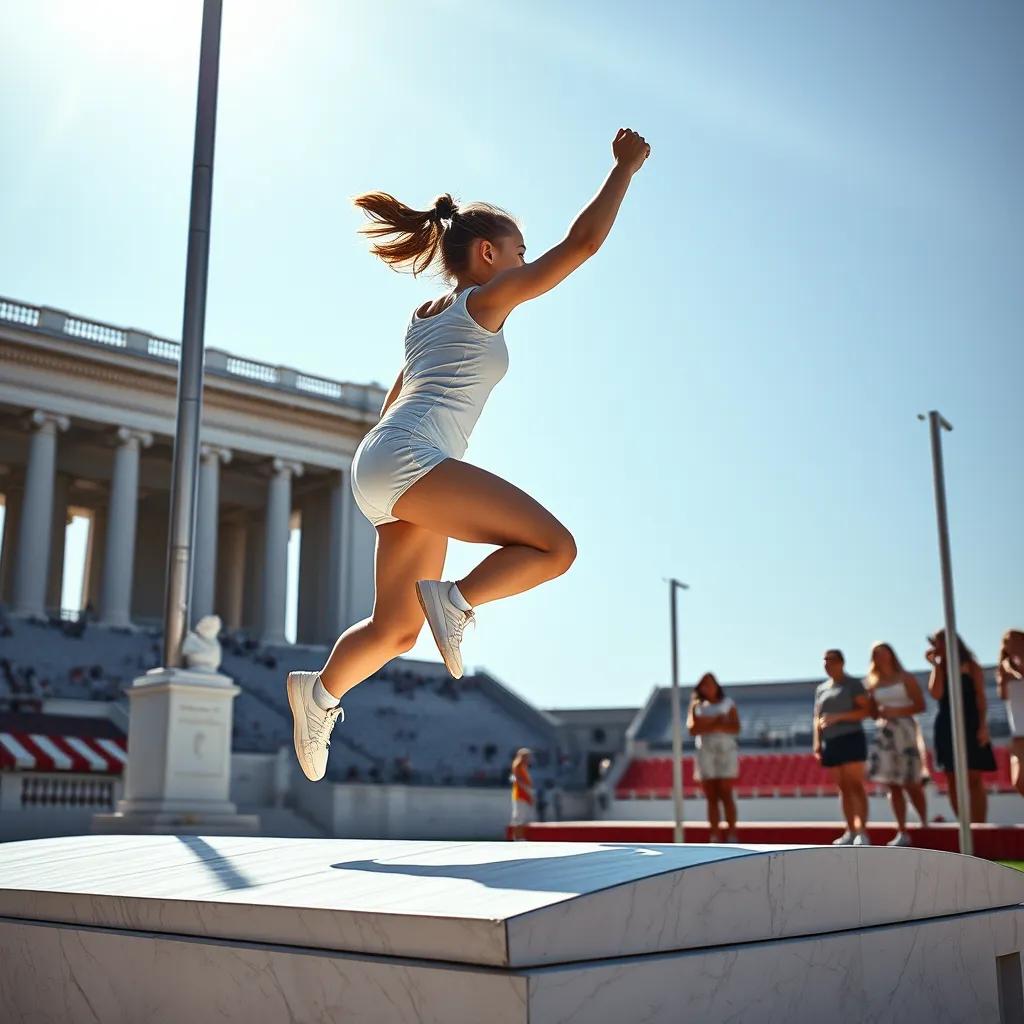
409, 931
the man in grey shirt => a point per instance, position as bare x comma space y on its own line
841, 704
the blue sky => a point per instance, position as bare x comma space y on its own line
826, 240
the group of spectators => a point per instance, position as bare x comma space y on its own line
897, 757
22, 688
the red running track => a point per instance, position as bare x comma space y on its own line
994, 842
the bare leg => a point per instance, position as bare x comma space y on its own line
854, 773
728, 804
951, 791
404, 554
1017, 764
710, 787
844, 798
459, 500
916, 793
979, 798
464, 502
899, 807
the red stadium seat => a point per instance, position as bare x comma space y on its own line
775, 775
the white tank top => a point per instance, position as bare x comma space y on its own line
893, 695
451, 366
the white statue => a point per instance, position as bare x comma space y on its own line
201, 648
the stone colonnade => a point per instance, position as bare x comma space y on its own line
240, 564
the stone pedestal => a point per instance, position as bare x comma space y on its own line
179, 758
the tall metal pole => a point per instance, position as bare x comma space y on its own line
190, 372
954, 686
677, 719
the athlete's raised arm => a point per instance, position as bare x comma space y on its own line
499, 296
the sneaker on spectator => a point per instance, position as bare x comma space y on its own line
446, 620
862, 839
312, 727
846, 839
900, 839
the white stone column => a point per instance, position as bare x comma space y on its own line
360, 551
204, 568
122, 512
275, 565
58, 536
94, 559
339, 528
33, 555
14, 488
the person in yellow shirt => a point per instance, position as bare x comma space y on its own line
522, 793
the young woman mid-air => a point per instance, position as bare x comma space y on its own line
408, 477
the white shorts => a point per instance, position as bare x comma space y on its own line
388, 461
717, 757
522, 812
1015, 707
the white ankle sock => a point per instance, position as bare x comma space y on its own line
321, 698
455, 595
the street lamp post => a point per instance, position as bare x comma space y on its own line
186, 789
677, 722
937, 423
190, 372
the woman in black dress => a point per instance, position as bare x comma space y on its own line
979, 748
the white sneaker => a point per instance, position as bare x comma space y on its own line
846, 839
312, 726
900, 839
447, 622
862, 839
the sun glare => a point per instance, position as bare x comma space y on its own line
166, 33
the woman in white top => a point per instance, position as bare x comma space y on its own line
408, 477
714, 721
895, 757
1010, 683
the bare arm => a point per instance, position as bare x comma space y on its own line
496, 299
692, 721
732, 722
915, 694
597, 217
392, 394
1007, 670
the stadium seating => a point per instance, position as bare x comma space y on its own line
770, 774
410, 723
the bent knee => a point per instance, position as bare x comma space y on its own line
562, 551
399, 637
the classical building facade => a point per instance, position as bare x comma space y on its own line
87, 415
